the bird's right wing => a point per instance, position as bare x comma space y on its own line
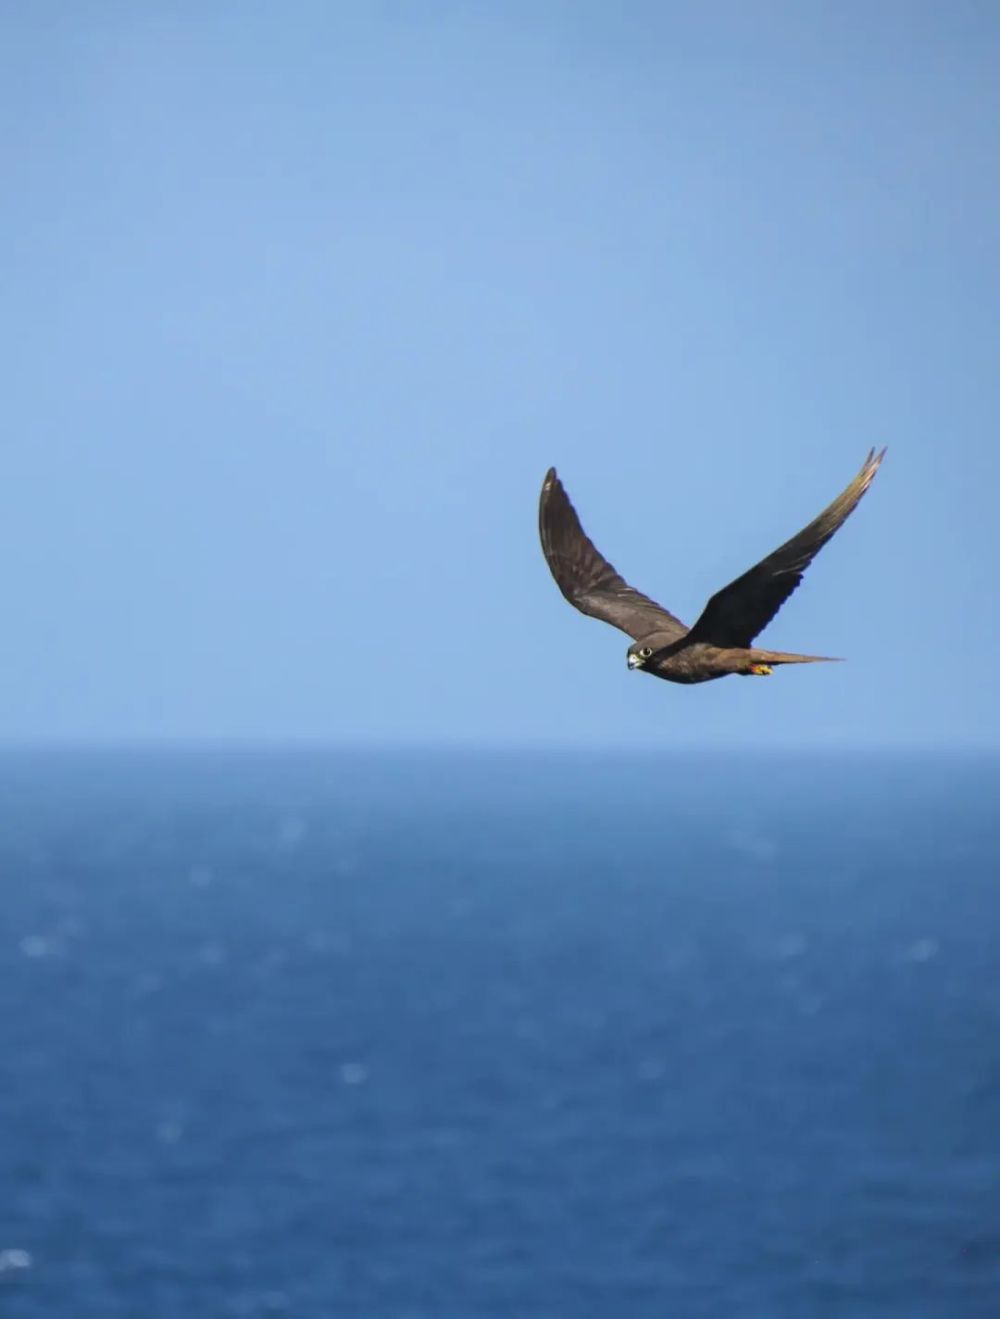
586, 578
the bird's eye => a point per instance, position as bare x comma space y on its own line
645, 652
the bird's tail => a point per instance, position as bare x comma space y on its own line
784, 657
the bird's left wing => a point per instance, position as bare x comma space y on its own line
586, 578
735, 615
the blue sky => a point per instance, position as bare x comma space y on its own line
301, 300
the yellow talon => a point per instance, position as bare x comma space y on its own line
762, 670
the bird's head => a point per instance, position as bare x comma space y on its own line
638, 654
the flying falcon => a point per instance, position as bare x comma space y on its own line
721, 641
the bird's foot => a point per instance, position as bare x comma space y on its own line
762, 670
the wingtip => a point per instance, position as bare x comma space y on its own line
871, 465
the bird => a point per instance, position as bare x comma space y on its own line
721, 641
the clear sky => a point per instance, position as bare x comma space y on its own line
300, 301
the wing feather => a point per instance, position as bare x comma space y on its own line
586, 578
735, 615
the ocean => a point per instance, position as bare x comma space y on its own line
454, 1035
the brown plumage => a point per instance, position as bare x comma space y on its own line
721, 641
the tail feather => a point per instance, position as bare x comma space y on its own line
784, 657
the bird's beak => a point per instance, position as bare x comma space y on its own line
634, 662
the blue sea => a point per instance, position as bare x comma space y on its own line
456, 1035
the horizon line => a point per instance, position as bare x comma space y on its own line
259, 744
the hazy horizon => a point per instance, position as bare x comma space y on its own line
262, 745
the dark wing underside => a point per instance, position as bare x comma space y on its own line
586, 578
735, 615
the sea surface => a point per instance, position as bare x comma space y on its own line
542, 1036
